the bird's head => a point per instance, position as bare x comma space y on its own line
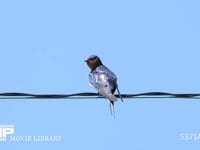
93, 61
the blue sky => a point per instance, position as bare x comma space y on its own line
150, 45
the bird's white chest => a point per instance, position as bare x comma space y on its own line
97, 78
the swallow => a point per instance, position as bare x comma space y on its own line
103, 80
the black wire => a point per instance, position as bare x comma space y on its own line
88, 95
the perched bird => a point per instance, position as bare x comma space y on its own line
103, 80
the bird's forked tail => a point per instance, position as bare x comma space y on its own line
112, 110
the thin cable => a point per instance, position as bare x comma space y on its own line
87, 95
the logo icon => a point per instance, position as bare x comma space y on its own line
6, 130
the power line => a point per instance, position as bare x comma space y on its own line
87, 95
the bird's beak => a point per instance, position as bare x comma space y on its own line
86, 60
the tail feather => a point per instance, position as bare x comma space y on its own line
119, 94
112, 110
